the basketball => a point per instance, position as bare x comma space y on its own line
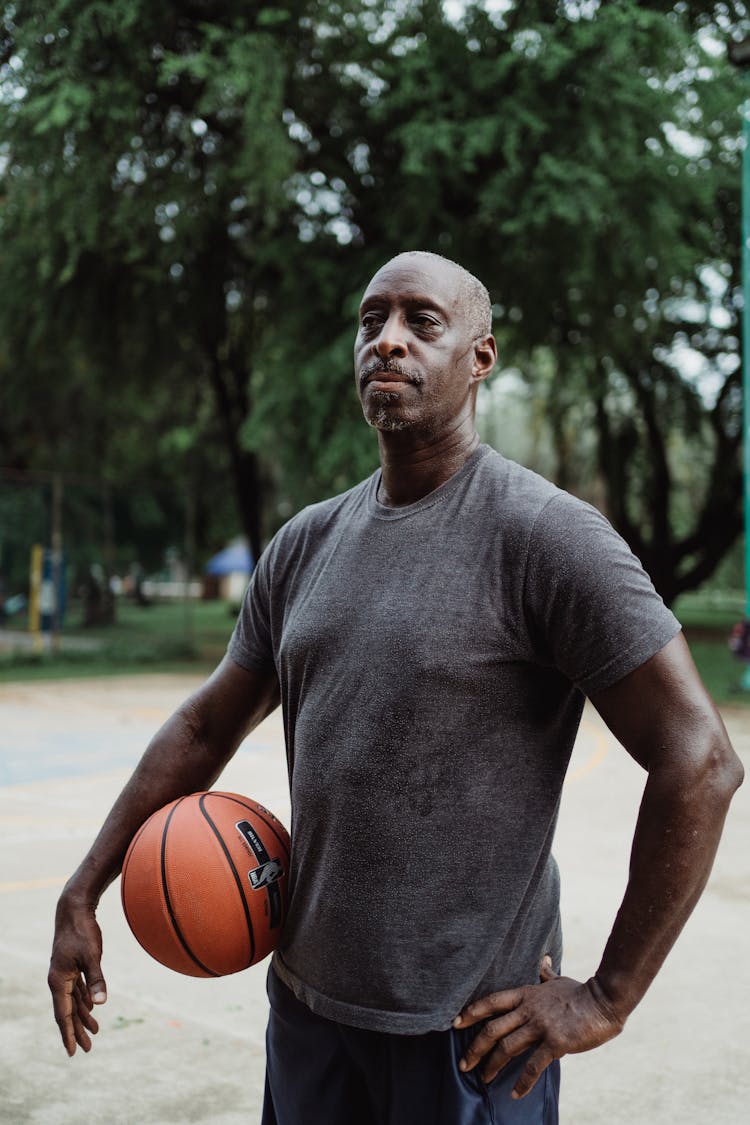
204, 883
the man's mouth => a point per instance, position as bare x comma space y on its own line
384, 378
386, 381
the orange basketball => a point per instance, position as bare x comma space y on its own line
204, 883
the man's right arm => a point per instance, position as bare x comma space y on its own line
185, 756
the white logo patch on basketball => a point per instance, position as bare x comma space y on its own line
266, 874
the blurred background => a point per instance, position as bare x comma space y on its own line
193, 196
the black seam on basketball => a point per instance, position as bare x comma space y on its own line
258, 812
235, 873
165, 889
273, 892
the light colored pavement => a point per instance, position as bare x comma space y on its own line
174, 1050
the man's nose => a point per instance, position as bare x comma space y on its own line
391, 340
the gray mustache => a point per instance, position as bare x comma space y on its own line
374, 369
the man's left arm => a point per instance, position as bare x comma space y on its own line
664, 718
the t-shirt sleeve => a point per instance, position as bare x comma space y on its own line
593, 610
250, 643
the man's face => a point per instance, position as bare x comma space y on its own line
414, 357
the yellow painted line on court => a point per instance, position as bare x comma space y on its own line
601, 743
34, 884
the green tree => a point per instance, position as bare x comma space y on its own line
583, 159
194, 195
146, 217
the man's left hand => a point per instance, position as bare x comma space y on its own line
557, 1017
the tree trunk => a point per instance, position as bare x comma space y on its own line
674, 566
232, 402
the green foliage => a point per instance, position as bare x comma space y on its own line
145, 170
588, 170
24, 521
192, 197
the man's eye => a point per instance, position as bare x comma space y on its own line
370, 321
422, 320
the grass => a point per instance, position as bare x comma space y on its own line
719, 668
157, 638
707, 619
172, 638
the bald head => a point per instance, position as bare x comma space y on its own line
472, 296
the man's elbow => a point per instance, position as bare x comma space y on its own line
733, 771
718, 767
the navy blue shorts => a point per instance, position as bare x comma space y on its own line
319, 1072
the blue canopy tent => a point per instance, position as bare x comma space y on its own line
235, 559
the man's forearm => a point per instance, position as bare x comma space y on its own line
676, 838
679, 826
177, 761
661, 714
186, 755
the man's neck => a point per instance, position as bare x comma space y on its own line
412, 468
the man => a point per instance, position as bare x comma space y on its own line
430, 635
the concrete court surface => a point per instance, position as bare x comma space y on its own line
173, 1049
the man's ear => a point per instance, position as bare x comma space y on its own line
485, 358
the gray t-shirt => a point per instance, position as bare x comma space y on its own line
432, 662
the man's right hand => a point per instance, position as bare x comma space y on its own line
75, 976
185, 756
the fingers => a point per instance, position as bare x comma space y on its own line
546, 972
62, 1003
84, 1004
534, 1067
489, 1006
500, 1001
75, 975
96, 985
498, 1043
79, 1031
500, 1040
496, 1060
556, 1017
507, 1035
72, 1003
506, 1048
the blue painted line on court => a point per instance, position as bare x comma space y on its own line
71, 754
